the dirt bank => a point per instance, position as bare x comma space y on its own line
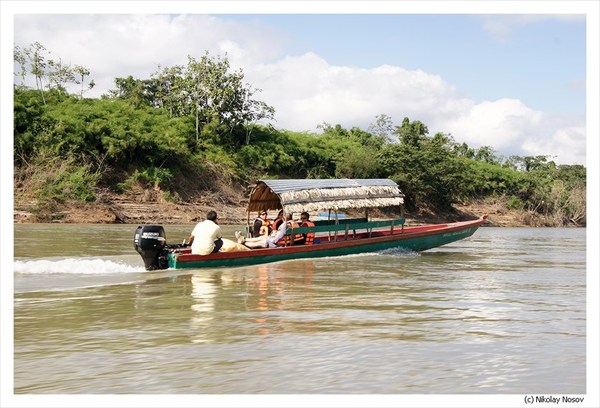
138, 209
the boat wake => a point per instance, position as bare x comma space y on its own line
389, 252
93, 266
399, 251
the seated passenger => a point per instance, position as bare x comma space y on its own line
277, 221
206, 236
308, 237
287, 240
261, 226
264, 241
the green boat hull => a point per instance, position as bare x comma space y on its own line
420, 240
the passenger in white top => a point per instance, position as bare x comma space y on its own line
265, 241
206, 236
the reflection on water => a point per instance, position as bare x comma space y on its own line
502, 312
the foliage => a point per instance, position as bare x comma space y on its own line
207, 91
424, 167
195, 127
151, 177
515, 203
50, 74
60, 181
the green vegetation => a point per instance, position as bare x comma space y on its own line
190, 130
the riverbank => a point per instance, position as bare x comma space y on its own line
121, 209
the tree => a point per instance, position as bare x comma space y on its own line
32, 61
138, 93
207, 90
253, 111
20, 58
486, 154
59, 75
383, 126
427, 168
83, 72
215, 94
463, 150
37, 63
168, 87
527, 163
535, 162
411, 133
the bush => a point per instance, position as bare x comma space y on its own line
515, 203
62, 181
151, 177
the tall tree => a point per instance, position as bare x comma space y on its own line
215, 97
486, 154
411, 133
59, 74
83, 72
20, 58
383, 126
168, 85
137, 92
37, 63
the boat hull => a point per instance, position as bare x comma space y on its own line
413, 239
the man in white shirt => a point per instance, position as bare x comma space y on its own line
206, 236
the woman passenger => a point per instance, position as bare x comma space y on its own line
262, 225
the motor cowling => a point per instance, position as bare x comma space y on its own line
150, 242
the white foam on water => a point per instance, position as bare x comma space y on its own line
399, 251
389, 251
93, 266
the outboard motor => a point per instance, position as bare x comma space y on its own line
150, 242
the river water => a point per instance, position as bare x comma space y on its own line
502, 312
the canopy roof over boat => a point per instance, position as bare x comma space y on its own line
298, 195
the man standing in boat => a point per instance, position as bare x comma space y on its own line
206, 235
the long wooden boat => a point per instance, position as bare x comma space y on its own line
333, 237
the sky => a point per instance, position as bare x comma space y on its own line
514, 82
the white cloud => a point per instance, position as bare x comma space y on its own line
307, 91
565, 146
304, 89
499, 123
511, 127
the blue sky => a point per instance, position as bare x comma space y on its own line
541, 61
512, 81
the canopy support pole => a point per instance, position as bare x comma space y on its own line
328, 220
248, 224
